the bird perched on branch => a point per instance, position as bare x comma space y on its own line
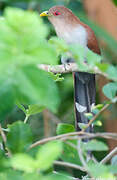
69, 28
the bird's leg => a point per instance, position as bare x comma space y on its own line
66, 60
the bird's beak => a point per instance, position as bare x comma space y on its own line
45, 13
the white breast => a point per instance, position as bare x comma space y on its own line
75, 35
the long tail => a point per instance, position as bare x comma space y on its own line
85, 92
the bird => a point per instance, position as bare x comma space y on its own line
73, 31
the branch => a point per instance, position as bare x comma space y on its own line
70, 67
109, 156
77, 135
54, 138
2, 135
95, 117
81, 155
66, 164
63, 68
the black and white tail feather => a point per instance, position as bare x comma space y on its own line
85, 92
84, 98
84, 95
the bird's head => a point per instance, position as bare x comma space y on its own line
57, 12
66, 24
60, 15
69, 27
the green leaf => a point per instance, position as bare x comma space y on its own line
21, 107
113, 168
97, 123
100, 171
115, 2
112, 72
102, 66
114, 160
78, 53
34, 86
46, 54
24, 42
110, 90
95, 111
92, 58
98, 106
63, 128
57, 176
27, 22
70, 153
19, 137
11, 175
56, 77
89, 116
23, 162
95, 145
47, 154
7, 98
82, 125
32, 176
3, 159
59, 45
34, 109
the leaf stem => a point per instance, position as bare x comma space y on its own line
26, 119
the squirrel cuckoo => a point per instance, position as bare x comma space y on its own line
69, 28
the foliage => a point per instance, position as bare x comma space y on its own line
24, 45
25, 162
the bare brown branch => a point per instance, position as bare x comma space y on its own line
75, 135
67, 164
68, 68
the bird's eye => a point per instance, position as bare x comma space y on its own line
56, 13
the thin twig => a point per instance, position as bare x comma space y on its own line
81, 155
26, 119
82, 158
90, 135
55, 138
77, 135
66, 164
109, 156
75, 147
63, 68
71, 144
2, 135
70, 67
95, 117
